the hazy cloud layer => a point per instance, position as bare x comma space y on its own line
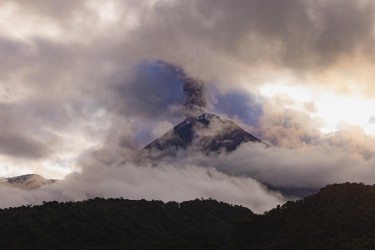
310, 166
166, 183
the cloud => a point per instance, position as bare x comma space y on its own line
254, 39
18, 145
15, 53
52, 9
145, 182
15, 139
154, 91
243, 42
287, 127
238, 105
160, 129
80, 78
347, 155
310, 166
306, 167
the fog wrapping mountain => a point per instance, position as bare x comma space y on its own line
340, 216
208, 133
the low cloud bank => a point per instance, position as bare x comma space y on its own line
166, 183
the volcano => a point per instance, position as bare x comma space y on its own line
207, 133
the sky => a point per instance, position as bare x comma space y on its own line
85, 83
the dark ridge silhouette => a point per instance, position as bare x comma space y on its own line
340, 216
120, 224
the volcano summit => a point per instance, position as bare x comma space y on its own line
207, 133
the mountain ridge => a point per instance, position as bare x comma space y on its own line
207, 132
27, 181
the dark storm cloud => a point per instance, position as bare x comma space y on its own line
51, 8
14, 54
215, 39
160, 90
15, 139
215, 36
155, 91
344, 27
21, 145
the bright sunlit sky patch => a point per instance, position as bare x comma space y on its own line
334, 108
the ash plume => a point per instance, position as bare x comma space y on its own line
195, 102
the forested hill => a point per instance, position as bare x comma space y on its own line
121, 224
340, 216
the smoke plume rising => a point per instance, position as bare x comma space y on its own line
195, 102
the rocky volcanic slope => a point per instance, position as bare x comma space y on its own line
207, 133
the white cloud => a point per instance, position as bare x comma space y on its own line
166, 183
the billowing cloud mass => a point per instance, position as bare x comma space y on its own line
87, 81
134, 182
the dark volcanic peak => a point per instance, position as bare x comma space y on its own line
206, 132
